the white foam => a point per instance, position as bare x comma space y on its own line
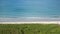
28, 19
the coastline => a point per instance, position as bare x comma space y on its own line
41, 22
30, 20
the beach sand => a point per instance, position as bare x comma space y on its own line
41, 22
30, 20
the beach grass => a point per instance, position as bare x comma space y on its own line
29, 29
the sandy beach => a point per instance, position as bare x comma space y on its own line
41, 22
30, 20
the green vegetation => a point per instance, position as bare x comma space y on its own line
29, 29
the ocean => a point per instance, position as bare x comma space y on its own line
29, 9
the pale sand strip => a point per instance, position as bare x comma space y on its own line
41, 22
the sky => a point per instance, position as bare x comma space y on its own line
28, 9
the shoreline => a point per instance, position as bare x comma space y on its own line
30, 20
41, 22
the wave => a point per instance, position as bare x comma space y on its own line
29, 19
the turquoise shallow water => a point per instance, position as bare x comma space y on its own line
29, 8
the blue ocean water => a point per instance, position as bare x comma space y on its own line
29, 8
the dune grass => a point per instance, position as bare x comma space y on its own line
29, 29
